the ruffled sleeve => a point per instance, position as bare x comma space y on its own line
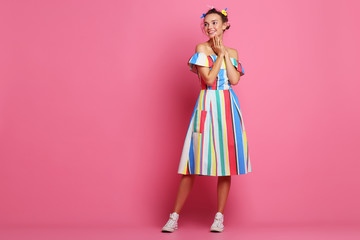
238, 66
200, 59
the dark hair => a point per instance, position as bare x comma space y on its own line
223, 17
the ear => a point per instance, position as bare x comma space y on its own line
226, 25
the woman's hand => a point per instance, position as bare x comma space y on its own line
218, 46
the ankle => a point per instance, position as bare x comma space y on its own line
174, 215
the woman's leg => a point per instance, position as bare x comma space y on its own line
223, 188
185, 187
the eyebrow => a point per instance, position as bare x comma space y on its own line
211, 20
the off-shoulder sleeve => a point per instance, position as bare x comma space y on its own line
200, 59
238, 66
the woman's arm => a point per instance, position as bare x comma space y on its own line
209, 76
232, 73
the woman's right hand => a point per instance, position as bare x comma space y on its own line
218, 46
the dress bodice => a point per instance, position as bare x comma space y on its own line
222, 80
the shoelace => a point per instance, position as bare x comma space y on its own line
171, 222
218, 222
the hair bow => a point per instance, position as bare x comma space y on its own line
224, 11
210, 7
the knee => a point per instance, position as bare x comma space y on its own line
224, 178
189, 176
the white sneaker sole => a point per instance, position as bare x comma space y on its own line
168, 229
216, 229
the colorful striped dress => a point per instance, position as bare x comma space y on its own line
215, 143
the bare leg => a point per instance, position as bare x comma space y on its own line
185, 187
223, 188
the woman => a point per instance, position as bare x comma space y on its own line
215, 143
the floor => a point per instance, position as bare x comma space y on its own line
184, 232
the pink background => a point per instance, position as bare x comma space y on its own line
96, 98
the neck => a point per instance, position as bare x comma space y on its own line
210, 41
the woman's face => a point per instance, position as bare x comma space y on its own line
213, 25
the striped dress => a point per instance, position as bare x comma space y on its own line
215, 143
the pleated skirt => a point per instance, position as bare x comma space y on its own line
215, 142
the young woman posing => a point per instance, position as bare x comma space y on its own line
215, 143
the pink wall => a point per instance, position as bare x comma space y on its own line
96, 97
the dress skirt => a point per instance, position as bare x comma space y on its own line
215, 143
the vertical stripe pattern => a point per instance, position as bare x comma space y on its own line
216, 142
222, 82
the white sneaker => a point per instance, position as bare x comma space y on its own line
171, 224
218, 225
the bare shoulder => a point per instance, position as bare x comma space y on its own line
233, 53
201, 47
